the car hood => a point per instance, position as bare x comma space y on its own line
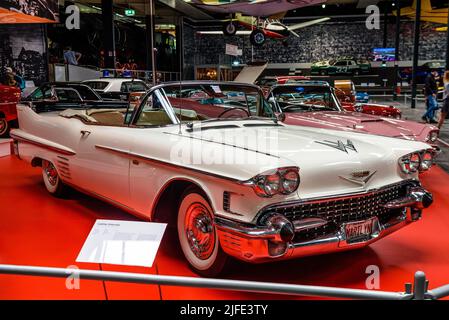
242, 152
357, 122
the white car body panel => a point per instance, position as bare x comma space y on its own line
136, 187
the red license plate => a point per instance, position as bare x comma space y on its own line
359, 231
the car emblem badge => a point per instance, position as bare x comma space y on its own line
359, 177
339, 145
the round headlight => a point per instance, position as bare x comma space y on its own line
432, 136
426, 161
267, 186
283, 180
415, 162
290, 181
410, 163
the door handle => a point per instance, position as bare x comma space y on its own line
85, 132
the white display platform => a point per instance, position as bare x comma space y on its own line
5, 147
130, 243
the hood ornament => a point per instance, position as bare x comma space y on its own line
339, 145
359, 177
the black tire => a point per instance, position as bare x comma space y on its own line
4, 128
323, 72
257, 37
52, 181
229, 29
356, 72
210, 260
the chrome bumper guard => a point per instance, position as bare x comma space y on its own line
273, 241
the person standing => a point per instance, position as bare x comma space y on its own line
430, 91
445, 108
71, 57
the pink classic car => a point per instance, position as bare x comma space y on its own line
316, 105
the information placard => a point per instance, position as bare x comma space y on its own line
131, 243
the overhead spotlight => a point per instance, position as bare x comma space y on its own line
323, 6
393, 4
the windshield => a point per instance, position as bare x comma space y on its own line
304, 98
203, 101
96, 85
86, 93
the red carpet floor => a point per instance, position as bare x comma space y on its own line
39, 230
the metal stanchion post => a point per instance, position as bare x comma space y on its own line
419, 286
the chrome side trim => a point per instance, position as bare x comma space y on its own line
42, 145
132, 155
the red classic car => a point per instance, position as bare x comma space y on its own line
316, 105
345, 92
9, 96
372, 108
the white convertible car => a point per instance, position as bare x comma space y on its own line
211, 158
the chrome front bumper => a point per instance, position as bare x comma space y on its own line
265, 243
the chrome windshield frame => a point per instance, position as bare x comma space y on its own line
159, 91
333, 97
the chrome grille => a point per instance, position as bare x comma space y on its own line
343, 209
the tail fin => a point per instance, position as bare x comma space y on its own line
425, 5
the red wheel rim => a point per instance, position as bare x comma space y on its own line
50, 172
200, 231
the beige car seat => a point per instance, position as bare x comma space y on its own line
153, 118
108, 117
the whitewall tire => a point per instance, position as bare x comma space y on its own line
197, 234
52, 182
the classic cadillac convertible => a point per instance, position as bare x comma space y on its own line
210, 158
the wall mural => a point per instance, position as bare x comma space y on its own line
29, 11
22, 47
316, 43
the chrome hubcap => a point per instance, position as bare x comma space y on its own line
50, 172
199, 231
259, 38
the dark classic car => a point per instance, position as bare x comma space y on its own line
342, 65
66, 95
423, 71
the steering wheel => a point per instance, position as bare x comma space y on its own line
232, 109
